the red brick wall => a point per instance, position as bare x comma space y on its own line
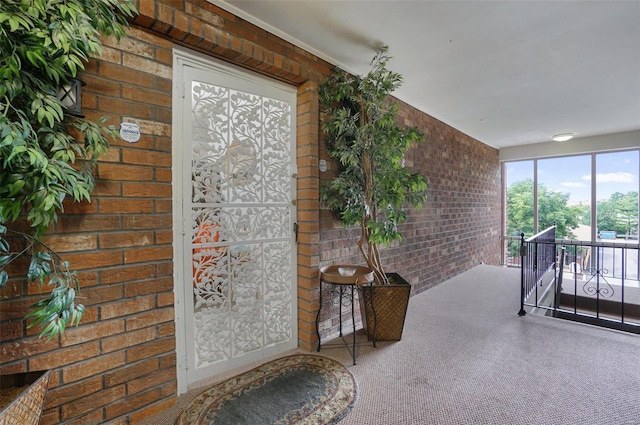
122, 357
459, 226
119, 365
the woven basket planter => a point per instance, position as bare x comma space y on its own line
22, 397
390, 303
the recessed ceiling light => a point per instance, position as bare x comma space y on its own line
562, 137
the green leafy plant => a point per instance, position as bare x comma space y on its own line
58, 310
373, 187
47, 154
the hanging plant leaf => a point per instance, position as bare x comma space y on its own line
43, 45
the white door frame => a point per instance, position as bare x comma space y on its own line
182, 58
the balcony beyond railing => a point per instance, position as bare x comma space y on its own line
592, 282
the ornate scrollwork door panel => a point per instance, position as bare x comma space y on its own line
238, 213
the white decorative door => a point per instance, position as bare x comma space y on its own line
236, 226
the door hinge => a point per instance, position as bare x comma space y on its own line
296, 227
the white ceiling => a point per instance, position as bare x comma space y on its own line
507, 73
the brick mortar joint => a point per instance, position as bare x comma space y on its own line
278, 69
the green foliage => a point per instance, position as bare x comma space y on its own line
552, 208
584, 214
373, 186
57, 311
46, 154
520, 218
619, 213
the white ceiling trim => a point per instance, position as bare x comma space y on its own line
580, 145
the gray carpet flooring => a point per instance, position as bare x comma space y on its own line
466, 357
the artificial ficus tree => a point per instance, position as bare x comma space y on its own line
46, 153
373, 187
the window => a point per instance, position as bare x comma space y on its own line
562, 190
520, 199
616, 186
564, 196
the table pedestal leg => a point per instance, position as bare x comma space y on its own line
318, 318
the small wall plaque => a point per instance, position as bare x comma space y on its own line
130, 132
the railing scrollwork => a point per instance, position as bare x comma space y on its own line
592, 282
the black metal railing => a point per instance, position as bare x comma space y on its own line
510, 251
538, 260
591, 282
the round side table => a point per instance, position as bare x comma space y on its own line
341, 283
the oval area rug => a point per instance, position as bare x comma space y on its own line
298, 389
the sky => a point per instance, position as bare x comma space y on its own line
615, 172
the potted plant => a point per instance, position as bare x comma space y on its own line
372, 187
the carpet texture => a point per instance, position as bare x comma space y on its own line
467, 358
298, 389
